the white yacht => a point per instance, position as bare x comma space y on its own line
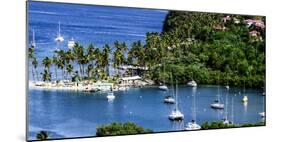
163, 86
110, 96
71, 43
225, 120
217, 104
59, 37
176, 114
193, 125
192, 83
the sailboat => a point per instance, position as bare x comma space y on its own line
245, 98
59, 38
170, 99
33, 44
262, 114
225, 120
232, 111
227, 86
163, 86
193, 125
217, 104
176, 114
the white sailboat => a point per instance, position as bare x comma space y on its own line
217, 103
33, 43
176, 114
232, 111
192, 83
225, 120
193, 125
59, 37
170, 99
163, 86
245, 97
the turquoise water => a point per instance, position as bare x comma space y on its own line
76, 114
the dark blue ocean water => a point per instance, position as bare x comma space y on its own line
88, 24
73, 114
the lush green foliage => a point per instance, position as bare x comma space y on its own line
42, 135
207, 48
220, 124
120, 129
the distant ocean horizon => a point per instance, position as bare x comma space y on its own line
88, 24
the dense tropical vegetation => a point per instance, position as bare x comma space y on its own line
114, 129
192, 46
220, 124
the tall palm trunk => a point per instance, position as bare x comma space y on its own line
56, 72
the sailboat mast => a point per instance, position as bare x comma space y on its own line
226, 104
218, 95
33, 38
177, 107
194, 105
232, 111
59, 28
173, 89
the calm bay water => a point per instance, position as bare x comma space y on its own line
76, 114
87, 24
73, 114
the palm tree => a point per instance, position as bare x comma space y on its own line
136, 53
61, 66
105, 58
83, 61
69, 69
47, 62
98, 58
91, 53
90, 70
56, 63
46, 75
78, 53
35, 65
